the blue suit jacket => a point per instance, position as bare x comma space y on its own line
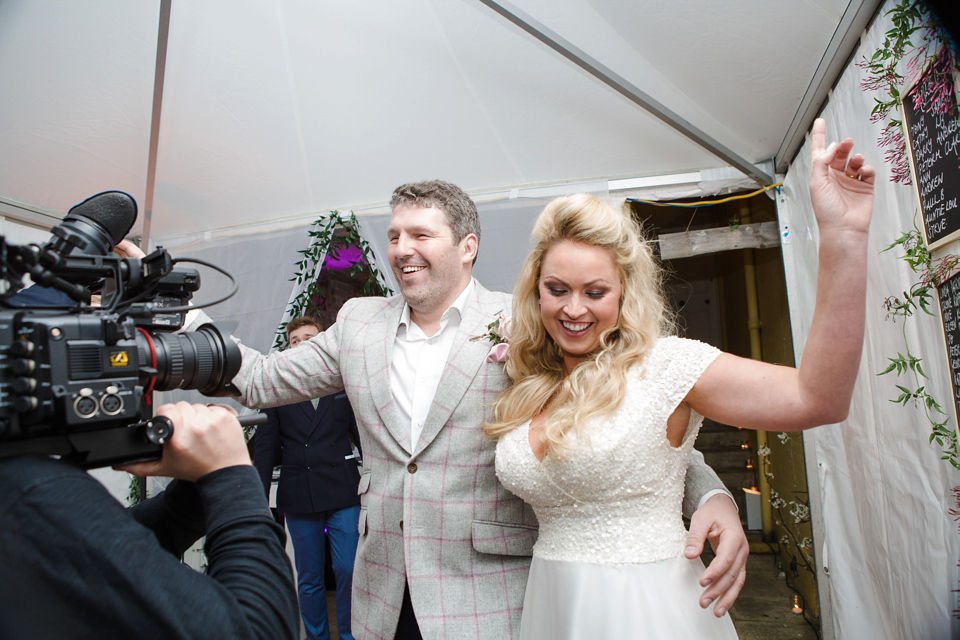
311, 447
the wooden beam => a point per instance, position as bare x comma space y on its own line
762, 235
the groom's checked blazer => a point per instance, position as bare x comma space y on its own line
433, 516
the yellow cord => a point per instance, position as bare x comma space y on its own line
707, 203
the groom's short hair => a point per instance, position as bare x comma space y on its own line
459, 208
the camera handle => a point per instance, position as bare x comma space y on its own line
159, 428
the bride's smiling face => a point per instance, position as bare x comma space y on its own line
579, 289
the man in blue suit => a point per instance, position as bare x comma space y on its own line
319, 476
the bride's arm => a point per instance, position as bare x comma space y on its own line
758, 395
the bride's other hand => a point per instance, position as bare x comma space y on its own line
719, 521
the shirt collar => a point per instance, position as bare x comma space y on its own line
457, 308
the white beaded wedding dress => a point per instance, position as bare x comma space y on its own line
609, 562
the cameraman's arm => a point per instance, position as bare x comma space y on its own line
244, 546
175, 516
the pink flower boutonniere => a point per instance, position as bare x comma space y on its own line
498, 333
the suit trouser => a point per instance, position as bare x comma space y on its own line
307, 534
407, 627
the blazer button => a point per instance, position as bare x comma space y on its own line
401, 525
412, 468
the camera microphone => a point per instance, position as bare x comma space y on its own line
96, 225
115, 211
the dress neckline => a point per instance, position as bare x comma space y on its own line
528, 445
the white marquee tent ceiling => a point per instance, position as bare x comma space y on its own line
276, 109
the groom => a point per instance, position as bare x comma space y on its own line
444, 549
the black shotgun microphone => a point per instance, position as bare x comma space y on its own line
102, 220
89, 230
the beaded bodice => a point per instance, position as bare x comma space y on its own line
617, 497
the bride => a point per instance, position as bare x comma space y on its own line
604, 406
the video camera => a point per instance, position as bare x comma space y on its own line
76, 379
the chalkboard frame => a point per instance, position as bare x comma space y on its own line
950, 325
906, 120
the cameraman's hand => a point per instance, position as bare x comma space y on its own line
127, 249
205, 438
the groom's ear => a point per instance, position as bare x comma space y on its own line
468, 248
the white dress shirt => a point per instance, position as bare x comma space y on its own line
418, 362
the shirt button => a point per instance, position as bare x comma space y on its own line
412, 468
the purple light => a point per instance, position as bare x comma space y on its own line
343, 258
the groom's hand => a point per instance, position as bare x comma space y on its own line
719, 521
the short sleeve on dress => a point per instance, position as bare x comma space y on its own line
678, 363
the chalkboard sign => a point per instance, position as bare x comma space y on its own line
933, 145
949, 295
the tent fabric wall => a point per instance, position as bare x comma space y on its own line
886, 545
16, 232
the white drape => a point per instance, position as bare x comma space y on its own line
887, 548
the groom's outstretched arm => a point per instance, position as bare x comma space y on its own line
718, 521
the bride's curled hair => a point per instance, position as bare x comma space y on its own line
535, 366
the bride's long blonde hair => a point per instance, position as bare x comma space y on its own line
596, 386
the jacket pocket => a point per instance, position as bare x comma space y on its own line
364, 485
503, 539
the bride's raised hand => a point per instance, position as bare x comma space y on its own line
841, 185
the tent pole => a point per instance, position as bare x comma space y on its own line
856, 18
163, 33
627, 89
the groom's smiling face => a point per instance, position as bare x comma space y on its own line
430, 268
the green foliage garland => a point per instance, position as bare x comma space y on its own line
937, 54
330, 233
919, 298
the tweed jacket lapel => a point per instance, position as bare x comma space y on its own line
465, 359
378, 355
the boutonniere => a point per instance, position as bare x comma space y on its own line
498, 334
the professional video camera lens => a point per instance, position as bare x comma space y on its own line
204, 359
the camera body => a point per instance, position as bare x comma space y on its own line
76, 380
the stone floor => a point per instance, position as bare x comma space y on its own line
763, 610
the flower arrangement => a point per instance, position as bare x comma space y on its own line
498, 334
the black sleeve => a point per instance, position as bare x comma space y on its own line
245, 551
76, 564
175, 516
266, 451
355, 432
